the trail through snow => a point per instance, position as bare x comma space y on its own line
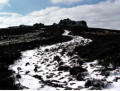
38, 69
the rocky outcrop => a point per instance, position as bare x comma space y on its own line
69, 22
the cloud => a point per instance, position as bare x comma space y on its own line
3, 3
104, 15
65, 1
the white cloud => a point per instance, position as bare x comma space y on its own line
65, 1
104, 15
3, 3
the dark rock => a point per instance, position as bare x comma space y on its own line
92, 65
49, 76
105, 72
19, 68
78, 88
88, 83
36, 68
72, 83
69, 22
57, 58
46, 50
53, 83
27, 64
70, 53
38, 25
27, 72
77, 70
61, 63
80, 77
68, 88
18, 76
116, 79
95, 84
20, 87
54, 24
95, 88
81, 62
64, 68
38, 77
98, 83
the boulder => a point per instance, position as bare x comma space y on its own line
38, 25
88, 83
95, 84
80, 77
69, 22
27, 64
57, 58
81, 62
77, 70
38, 77
18, 76
64, 68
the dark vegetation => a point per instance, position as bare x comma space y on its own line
105, 46
9, 52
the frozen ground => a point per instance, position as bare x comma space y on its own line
47, 68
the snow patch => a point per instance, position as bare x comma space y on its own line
38, 68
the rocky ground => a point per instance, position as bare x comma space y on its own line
60, 56
57, 67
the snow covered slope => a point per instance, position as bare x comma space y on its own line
54, 67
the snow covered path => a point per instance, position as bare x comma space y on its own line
41, 68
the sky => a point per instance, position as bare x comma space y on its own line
97, 13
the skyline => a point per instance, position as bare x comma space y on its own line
97, 13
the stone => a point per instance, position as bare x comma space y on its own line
95, 84
57, 58
69, 22
38, 77
80, 77
81, 62
77, 70
88, 83
18, 76
64, 68
27, 64
61, 63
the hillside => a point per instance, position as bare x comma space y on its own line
67, 55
